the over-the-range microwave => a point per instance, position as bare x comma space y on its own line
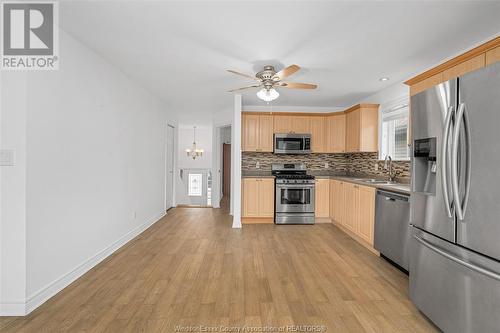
292, 143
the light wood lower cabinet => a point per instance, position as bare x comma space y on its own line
366, 213
257, 198
352, 207
337, 201
322, 198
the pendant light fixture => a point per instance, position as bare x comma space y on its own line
194, 152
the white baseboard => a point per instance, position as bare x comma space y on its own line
45, 293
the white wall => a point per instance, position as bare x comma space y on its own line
185, 140
203, 141
95, 166
388, 95
13, 194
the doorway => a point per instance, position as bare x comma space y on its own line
169, 183
226, 170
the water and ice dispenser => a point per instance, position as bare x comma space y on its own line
424, 166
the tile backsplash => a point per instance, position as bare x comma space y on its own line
336, 162
351, 164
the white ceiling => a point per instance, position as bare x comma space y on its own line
180, 50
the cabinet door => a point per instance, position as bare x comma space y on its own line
250, 198
266, 133
353, 122
366, 213
318, 134
493, 56
282, 124
369, 129
322, 198
337, 201
300, 124
351, 206
266, 197
250, 133
337, 127
465, 67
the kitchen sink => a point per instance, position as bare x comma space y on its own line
378, 181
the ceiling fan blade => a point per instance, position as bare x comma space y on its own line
242, 74
295, 85
243, 88
286, 72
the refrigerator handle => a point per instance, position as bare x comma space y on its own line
459, 261
454, 162
468, 158
444, 160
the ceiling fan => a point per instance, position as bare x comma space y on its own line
269, 79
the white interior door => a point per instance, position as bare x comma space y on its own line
170, 168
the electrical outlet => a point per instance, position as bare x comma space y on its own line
375, 166
326, 165
257, 165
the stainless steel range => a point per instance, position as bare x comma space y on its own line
294, 194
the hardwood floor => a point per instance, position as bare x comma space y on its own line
192, 269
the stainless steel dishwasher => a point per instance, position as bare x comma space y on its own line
392, 226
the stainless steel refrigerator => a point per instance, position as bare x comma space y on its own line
455, 202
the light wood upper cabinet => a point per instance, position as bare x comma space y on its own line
366, 213
322, 198
337, 201
465, 67
474, 59
291, 124
282, 124
266, 133
493, 56
335, 133
426, 84
257, 132
362, 128
318, 134
353, 126
300, 124
258, 197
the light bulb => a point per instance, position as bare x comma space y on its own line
268, 95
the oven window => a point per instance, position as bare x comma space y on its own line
289, 143
295, 196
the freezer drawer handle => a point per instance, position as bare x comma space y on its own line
470, 266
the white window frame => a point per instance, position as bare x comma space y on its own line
393, 110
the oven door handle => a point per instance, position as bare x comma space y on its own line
304, 186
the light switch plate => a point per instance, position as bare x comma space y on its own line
7, 157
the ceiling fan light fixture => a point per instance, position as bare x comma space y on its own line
268, 95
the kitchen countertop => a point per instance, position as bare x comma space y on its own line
397, 187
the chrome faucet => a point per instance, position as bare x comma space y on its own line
388, 166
